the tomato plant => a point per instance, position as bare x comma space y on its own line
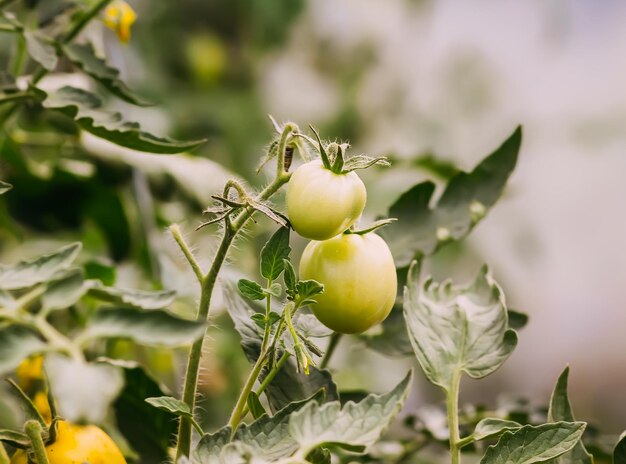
110, 305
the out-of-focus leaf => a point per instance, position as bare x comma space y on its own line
561, 410
268, 436
517, 319
86, 109
4, 187
64, 291
96, 270
16, 344
27, 273
354, 427
142, 299
391, 337
619, 453
531, 444
146, 327
13, 438
492, 427
149, 430
274, 252
84, 391
422, 229
455, 329
41, 49
84, 56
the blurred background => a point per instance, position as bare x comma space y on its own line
416, 80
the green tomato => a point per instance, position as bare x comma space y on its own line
359, 278
322, 204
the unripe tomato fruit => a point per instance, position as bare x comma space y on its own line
359, 278
76, 444
321, 203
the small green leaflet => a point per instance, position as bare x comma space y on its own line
455, 329
491, 427
531, 444
256, 408
64, 291
274, 252
84, 56
561, 410
170, 404
42, 269
86, 109
250, 289
41, 49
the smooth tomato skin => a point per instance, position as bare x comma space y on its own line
77, 444
359, 278
322, 204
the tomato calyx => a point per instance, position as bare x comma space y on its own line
333, 158
372, 227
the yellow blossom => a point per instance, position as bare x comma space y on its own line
119, 16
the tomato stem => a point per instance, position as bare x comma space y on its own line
191, 259
452, 403
208, 284
332, 345
33, 430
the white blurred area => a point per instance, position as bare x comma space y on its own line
455, 78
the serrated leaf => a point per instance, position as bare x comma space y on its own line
455, 329
86, 109
4, 187
354, 427
274, 252
83, 391
275, 216
84, 56
491, 427
363, 162
268, 436
155, 327
250, 289
561, 410
255, 406
289, 277
143, 299
309, 288
148, 429
16, 344
422, 229
41, 49
170, 404
28, 273
64, 291
619, 453
13, 438
531, 444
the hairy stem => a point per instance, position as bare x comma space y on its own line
452, 402
208, 284
191, 259
237, 414
268, 378
33, 430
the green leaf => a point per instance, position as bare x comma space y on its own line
16, 344
41, 49
517, 320
148, 429
308, 288
64, 291
170, 404
250, 289
84, 56
391, 337
319, 456
4, 187
137, 298
15, 439
531, 444
491, 427
422, 229
42, 269
455, 329
289, 277
84, 391
96, 270
275, 289
354, 427
86, 109
268, 436
255, 406
274, 252
619, 453
146, 327
561, 410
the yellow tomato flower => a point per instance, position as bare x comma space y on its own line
119, 16
29, 372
